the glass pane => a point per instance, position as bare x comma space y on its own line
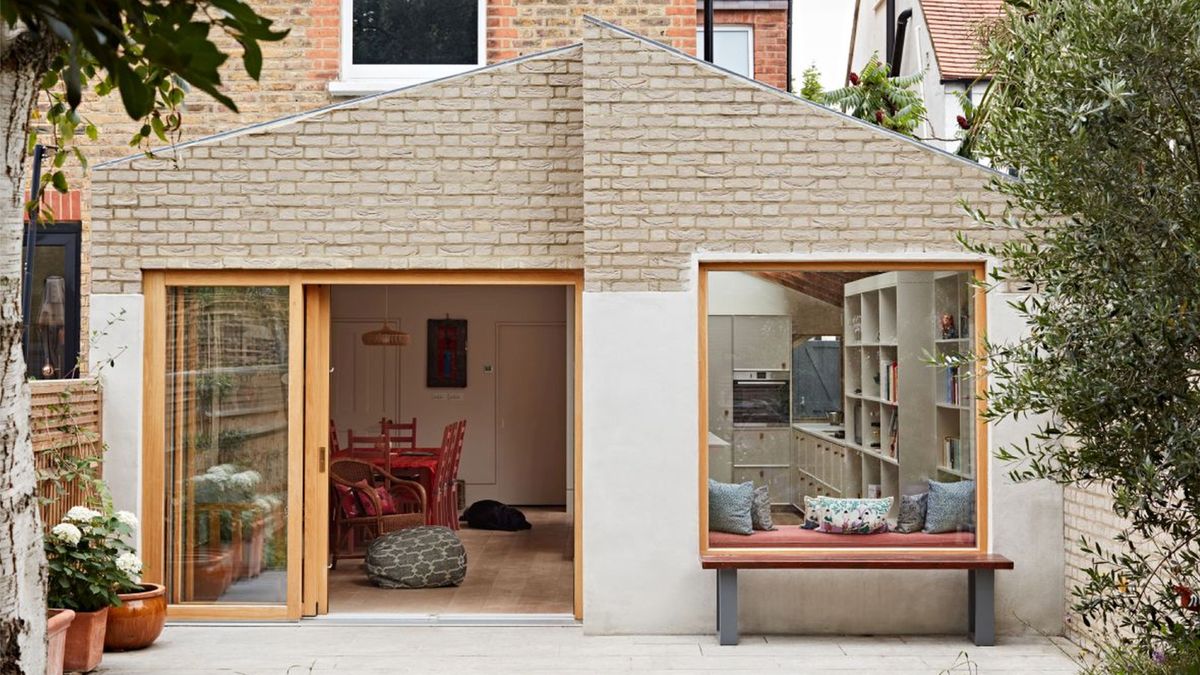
227, 444
731, 50
881, 416
416, 32
46, 352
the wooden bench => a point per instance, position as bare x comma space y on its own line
981, 580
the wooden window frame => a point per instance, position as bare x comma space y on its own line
303, 286
978, 269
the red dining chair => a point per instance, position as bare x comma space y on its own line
373, 449
334, 446
445, 491
400, 435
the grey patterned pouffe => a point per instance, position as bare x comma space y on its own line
417, 557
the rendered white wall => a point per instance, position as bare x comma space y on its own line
641, 507
116, 355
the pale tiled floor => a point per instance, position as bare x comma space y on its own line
310, 648
526, 572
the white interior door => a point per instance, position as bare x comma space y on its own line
531, 413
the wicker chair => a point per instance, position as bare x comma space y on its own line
409, 497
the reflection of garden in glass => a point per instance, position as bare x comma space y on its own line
227, 444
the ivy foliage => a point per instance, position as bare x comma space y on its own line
1096, 106
891, 102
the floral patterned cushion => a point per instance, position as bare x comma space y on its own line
848, 516
951, 507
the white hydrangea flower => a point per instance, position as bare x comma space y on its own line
67, 533
127, 519
130, 564
81, 514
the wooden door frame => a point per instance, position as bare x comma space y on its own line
308, 309
883, 263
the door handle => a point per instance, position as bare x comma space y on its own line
321, 461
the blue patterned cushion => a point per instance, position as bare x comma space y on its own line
912, 513
951, 507
729, 506
849, 516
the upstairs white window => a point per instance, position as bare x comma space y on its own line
733, 48
393, 43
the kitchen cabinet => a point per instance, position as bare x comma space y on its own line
776, 479
762, 342
720, 376
753, 447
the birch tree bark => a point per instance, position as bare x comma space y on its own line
23, 59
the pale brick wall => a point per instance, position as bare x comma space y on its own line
683, 158
1087, 512
479, 172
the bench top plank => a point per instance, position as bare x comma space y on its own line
856, 561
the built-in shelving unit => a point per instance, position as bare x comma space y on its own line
954, 396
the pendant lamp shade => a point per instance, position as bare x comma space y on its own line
385, 336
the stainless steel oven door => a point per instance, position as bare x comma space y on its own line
761, 403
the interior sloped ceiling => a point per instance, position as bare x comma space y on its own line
824, 286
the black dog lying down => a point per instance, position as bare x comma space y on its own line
489, 514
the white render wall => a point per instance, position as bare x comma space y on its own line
641, 506
116, 357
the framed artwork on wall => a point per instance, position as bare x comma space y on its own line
446, 353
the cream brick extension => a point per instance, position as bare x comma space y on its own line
631, 161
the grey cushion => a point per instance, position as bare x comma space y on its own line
951, 507
760, 511
417, 557
912, 513
729, 507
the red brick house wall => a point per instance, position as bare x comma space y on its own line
770, 39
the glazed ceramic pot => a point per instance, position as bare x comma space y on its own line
212, 573
137, 623
57, 623
85, 641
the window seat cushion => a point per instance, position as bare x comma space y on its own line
793, 536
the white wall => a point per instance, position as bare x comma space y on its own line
742, 293
116, 356
641, 512
482, 307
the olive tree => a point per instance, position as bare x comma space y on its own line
1096, 108
146, 52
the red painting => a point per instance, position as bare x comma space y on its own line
446, 353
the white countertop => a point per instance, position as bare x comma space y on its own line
714, 441
820, 429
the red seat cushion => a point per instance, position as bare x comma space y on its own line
792, 536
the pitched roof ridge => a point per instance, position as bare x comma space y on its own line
308, 114
790, 96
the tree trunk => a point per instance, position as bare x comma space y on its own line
24, 57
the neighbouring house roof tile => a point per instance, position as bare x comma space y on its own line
954, 31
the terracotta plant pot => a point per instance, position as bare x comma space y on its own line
57, 623
212, 573
85, 641
137, 623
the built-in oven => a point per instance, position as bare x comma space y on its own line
762, 398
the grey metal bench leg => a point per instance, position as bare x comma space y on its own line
727, 607
981, 607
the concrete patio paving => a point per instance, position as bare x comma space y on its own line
309, 648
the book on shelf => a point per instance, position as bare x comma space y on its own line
952, 385
887, 381
952, 453
894, 436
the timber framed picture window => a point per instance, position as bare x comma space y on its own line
841, 407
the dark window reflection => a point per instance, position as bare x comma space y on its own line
416, 32
52, 336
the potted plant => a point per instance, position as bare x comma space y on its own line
88, 564
138, 620
57, 623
